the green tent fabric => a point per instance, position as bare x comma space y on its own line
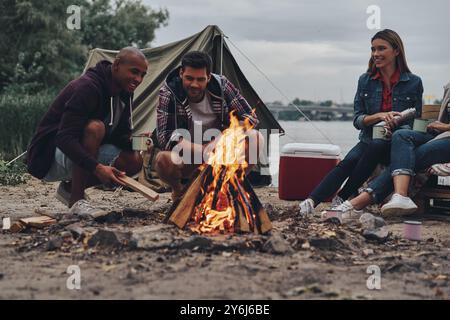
165, 58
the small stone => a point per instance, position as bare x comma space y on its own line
110, 217
108, 238
296, 291
306, 245
367, 252
369, 221
324, 243
277, 245
76, 231
54, 244
380, 235
66, 235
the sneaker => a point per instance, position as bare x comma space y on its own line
398, 205
63, 192
347, 212
84, 209
336, 201
306, 207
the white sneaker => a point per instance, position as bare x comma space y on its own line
84, 209
398, 205
336, 201
348, 213
306, 207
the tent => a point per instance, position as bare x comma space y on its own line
164, 59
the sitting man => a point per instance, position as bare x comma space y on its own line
84, 138
191, 99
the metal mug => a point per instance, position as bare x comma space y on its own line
421, 124
139, 142
380, 132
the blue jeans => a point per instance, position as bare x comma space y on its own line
61, 169
411, 152
357, 166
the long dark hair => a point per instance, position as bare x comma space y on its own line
396, 42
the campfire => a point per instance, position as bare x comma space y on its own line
220, 199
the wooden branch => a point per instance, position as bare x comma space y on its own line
266, 225
223, 172
251, 210
139, 187
180, 213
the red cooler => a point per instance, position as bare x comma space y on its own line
303, 166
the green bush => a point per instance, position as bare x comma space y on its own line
13, 174
21, 113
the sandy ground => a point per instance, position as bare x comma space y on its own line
150, 260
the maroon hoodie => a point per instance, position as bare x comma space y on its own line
83, 99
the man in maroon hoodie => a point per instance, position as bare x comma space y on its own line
84, 138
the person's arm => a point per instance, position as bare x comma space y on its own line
387, 117
438, 127
73, 122
358, 108
165, 118
237, 102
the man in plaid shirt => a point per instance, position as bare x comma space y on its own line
193, 100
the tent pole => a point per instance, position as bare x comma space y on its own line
221, 53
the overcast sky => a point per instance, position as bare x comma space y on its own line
316, 49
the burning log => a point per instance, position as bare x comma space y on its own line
220, 198
243, 211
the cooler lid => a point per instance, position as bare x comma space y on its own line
311, 148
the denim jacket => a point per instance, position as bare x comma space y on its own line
407, 93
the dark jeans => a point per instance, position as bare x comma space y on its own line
412, 151
357, 166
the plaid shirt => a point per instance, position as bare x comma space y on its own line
172, 97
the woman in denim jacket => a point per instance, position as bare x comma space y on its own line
412, 151
387, 88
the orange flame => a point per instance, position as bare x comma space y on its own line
217, 210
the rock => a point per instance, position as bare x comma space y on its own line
277, 245
369, 221
313, 288
135, 213
325, 243
77, 232
306, 245
196, 241
109, 217
367, 252
54, 244
109, 238
380, 235
66, 235
151, 237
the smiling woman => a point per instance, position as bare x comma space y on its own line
375, 101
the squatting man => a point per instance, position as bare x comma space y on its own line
194, 102
84, 139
